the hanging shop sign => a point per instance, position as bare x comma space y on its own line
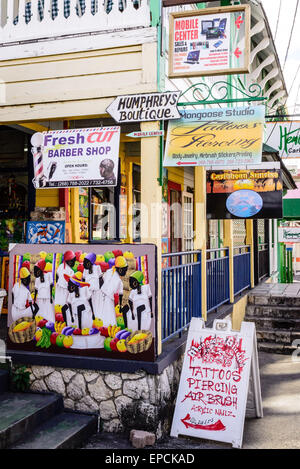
145, 107
76, 157
212, 41
214, 382
216, 136
146, 134
251, 193
100, 302
288, 235
284, 137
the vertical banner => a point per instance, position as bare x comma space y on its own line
213, 389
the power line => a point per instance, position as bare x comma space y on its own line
277, 20
294, 79
287, 51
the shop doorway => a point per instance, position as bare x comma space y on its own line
174, 217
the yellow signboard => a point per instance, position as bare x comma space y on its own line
219, 136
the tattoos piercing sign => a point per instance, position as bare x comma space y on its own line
213, 389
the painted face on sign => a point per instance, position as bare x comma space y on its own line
107, 169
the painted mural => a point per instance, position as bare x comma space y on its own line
100, 302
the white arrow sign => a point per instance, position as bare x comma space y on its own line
150, 133
145, 107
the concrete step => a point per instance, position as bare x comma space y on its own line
4, 381
273, 347
273, 323
21, 413
67, 430
275, 311
278, 336
262, 299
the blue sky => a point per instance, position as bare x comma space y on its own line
285, 23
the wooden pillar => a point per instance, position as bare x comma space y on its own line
151, 205
255, 252
228, 243
250, 242
200, 230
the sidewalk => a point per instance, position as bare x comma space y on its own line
278, 429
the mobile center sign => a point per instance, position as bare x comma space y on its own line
212, 41
76, 157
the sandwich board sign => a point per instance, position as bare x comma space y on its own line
213, 389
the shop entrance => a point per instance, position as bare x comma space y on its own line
174, 217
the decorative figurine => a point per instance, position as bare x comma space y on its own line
113, 285
21, 297
140, 300
43, 290
61, 287
79, 303
93, 275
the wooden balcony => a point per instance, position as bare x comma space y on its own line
42, 27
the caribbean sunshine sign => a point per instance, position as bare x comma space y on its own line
255, 193
216, 136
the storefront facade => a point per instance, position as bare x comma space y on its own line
69, 84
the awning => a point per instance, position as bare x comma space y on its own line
270, 154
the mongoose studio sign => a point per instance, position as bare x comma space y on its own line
145, 107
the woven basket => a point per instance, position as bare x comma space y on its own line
140, 346
22, 336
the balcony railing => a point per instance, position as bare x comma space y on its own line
217, 278
23, 20
181, 291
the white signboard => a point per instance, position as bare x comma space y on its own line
284, 137
76, 157
212, 41
288, 235
213, 389
146, 134
145, 107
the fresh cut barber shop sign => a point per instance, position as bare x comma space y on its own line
216, 136
76, 157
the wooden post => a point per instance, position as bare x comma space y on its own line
151, 206
200, 230
228, 243
250, 242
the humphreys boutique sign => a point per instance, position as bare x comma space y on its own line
212, 41
288, 235
145, 107
255, 193
76, 157
284, 137
216, 136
